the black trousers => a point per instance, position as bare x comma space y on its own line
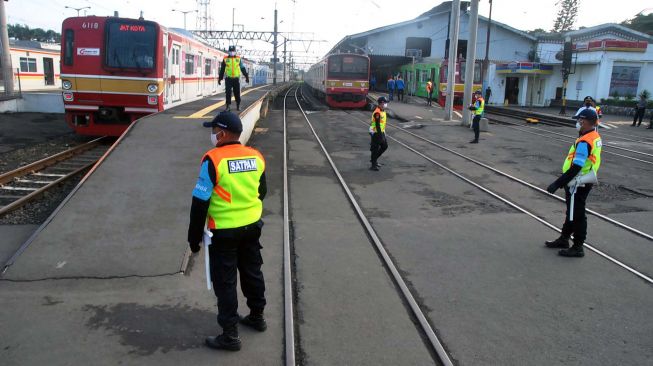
429, 99
578, 227
400, 94
239, 251
230, 83
476, 122
639, 114
378, 145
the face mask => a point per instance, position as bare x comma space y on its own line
214, 139
232, 53
577, 126
587, 104
385, 105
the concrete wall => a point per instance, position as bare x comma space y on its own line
34, 102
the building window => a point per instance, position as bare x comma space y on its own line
27, 64
190, 64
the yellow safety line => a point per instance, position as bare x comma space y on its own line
202, 113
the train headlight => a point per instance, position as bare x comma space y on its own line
66, 84
152, 88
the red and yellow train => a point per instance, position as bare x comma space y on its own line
116, 70
459, 83
342, 79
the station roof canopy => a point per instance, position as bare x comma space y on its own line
607, 30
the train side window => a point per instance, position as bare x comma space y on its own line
68, 47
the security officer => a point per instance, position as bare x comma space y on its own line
377, 131
584, 156
233, 68
477, 109
227, 198
429, 92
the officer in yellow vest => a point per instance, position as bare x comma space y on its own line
477, 110
429, 92
227, 199
583, 158
379, 143
232, 67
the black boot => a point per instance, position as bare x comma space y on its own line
474, 141
374, 167
561, 242
255, 320
227, 108
228, 340
576, 250
238, 106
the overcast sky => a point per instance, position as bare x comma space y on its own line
328, 19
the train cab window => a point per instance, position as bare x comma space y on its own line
477, 72
348, 67
68, 47
130, 44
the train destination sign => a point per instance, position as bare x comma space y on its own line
132, 28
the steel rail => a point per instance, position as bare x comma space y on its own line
46, 162
530, 185
523, 210
559, 139
287, 266
408, 296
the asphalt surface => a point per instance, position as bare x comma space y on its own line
490, 289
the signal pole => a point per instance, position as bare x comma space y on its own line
274, 52
7, 71
471, 60
453, 49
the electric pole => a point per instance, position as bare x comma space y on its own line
453, 49
471, 61
184, 12
78, 9
486, 60
7, 71
274, 52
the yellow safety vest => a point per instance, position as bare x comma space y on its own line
232, 66
382, 122
480, 110
593, 161
234, 200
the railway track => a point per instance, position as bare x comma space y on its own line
19, 186
514, 204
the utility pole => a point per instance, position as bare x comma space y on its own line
453, 49
78, 9
274, 52
471, 60
284, 60
7, 71
184, 12
486, 60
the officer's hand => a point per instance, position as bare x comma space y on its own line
552, 188
247, 80
194, 247
219, 81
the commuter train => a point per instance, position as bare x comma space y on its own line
342, 79
116, 70
459, 83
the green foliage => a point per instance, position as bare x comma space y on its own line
623, 103
615, 94
25, 33
641, 23
566, 15
645, 94
629, 97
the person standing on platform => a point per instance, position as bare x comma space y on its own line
379, 144
391, 87
477, 110
232, 66
584, 157
641, 110
373, 83
399, 85
488, 94
227, 200
429, 92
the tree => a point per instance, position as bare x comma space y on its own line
24, 33
566, 15
536, 31
641, 23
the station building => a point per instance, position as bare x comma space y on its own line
35, 65
523, 69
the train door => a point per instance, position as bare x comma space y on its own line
166, 68
216, 68
200, 74
175, 73
48, 70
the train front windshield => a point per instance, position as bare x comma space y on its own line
348, 68
130, 45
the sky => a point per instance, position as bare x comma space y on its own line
327, 19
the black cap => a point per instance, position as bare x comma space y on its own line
232, 48
588, 114
588, 97
227, 121
382, 100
